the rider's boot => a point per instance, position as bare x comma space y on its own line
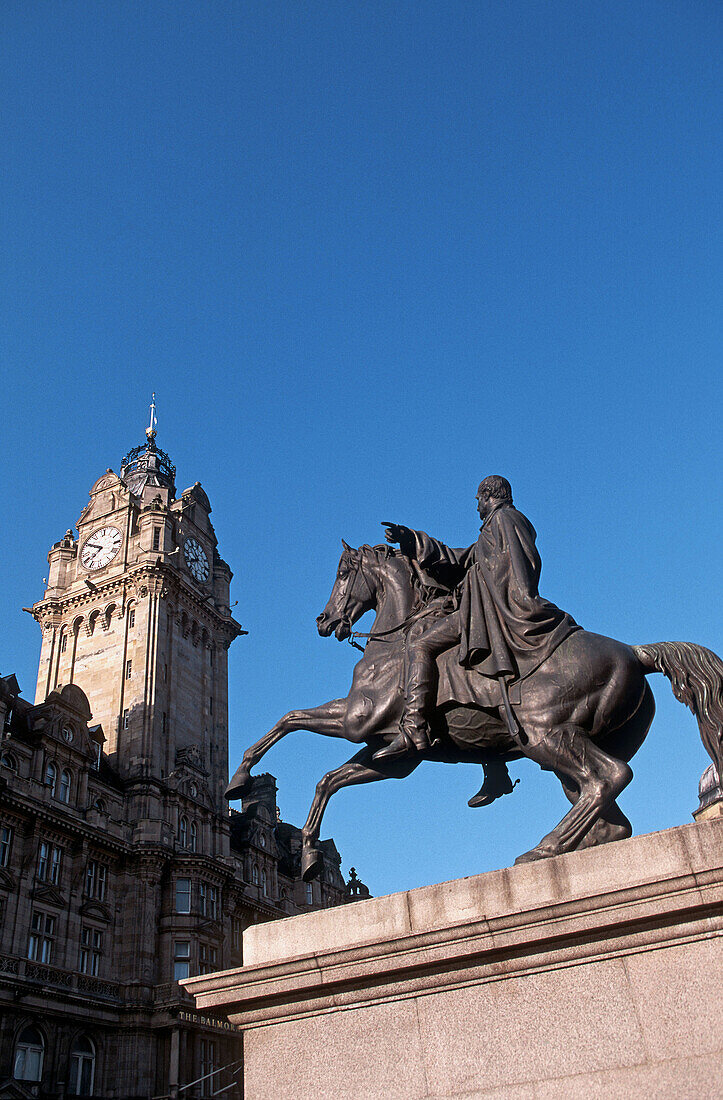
497, 783
414, 734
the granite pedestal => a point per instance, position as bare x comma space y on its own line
594, 974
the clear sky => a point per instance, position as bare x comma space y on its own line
366, 254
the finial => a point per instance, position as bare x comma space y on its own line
151, 429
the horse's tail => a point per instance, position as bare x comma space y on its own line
696, 677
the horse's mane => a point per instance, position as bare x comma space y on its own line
385, 551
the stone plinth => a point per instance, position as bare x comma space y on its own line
595, 974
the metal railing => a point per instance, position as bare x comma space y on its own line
55, 978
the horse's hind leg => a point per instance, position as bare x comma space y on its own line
611, 825
622, 743
360, 769
329, 719
599, 779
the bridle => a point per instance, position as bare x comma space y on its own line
344, 616
381, 635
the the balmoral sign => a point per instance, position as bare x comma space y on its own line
206, 1021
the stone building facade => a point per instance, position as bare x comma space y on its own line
122, 869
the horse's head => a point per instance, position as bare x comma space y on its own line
354, 592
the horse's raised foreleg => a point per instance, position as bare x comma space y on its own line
329, 719
598, 777
360, 769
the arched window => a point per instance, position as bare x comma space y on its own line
65, 785
264, 882
82, 1067
51, 776
183, 832
92, 620
29, 1051
255, 875
194, 837
63, 639
8, 761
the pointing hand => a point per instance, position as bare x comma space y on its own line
394, 531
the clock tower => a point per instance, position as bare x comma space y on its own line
136, 613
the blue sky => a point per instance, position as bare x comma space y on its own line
367, 254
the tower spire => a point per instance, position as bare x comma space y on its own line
151, 429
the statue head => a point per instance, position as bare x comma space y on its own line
492, 491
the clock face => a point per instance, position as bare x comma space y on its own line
100, 547
196, 560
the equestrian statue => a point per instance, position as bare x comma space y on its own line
466, 663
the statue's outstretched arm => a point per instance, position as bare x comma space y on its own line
424, 549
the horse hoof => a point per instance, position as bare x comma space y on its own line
535, 854
310, 863
239, 785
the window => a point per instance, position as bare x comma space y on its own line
29, 1051
236, 934
42, 939
6, 839
264, 882
49, 863
126, 719
208, 958
164, 723
129, 669
8, 761
82, 1067
209, 1060
183, 832
91, 949
156, 538
65, 785
63, 643
132, 614
100, 806
183, 895
194, 837
210, 704
68, 735
209, 900
181, 960
309, 894
51, 776
255, 875
95, 879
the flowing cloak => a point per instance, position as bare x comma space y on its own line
507, 628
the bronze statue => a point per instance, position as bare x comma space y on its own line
465, 662
503, 627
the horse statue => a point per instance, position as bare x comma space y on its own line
590, 685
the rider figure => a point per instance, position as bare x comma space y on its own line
503, 627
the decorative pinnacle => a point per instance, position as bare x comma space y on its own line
151, 429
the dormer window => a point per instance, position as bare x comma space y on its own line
67, 734
51, 776
65, 785
183, 832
